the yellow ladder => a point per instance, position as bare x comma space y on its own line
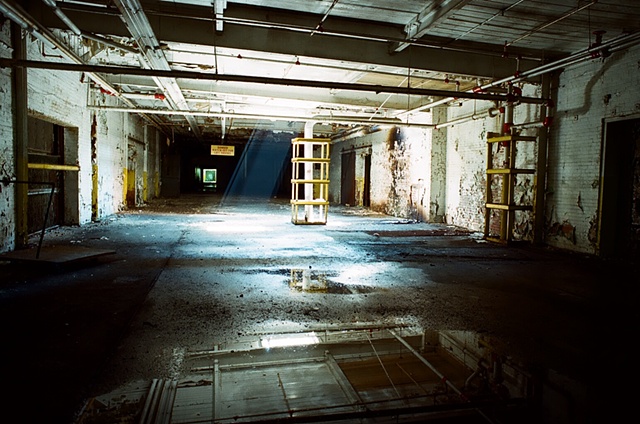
506, 204
310, 180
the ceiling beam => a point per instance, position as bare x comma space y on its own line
285, 32
138, 25
16, 13
123, 70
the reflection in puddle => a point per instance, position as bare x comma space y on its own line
312, 281
396, 373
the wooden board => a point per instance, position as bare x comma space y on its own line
55, 254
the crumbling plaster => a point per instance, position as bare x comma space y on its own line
466, 157
7, 193
400, 169
588, 94
60, 98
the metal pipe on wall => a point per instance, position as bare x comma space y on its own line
489, 113
615, 44
19, 89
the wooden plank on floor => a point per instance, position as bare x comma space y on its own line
55, 254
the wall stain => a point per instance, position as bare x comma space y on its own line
564, 229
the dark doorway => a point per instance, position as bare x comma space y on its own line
348, 172
620, 192
170, 175
366, 195
46, 150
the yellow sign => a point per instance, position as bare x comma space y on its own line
217, 150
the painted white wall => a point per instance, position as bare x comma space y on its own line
466, 162
587, 94
400, 168
112, 159
410, 173
7, 158
60, 97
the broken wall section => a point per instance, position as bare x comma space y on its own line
126, 158
92, 139
400, 177
588, 94
466, 162
59, 98
7, 158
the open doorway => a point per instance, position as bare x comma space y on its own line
51, 148
348, 178
366, 193
619, 234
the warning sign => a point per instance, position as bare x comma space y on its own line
218, 150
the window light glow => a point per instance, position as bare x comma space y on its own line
288, 340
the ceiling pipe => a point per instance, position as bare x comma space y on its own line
489, 113
134, 18
123, 70
528, 125
77, 31
615, 44
314, 119
323, 65
109, 43
64, 18
17, 14
319, 27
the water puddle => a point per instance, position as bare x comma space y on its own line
313, 281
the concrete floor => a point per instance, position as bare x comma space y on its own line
196, 272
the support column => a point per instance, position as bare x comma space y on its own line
540, 186
438, 178
145, 165
20, 135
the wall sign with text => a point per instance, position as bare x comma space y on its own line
218, 150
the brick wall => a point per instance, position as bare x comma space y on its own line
7, 212
466, 157
587, 94
400, 169
60, 97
